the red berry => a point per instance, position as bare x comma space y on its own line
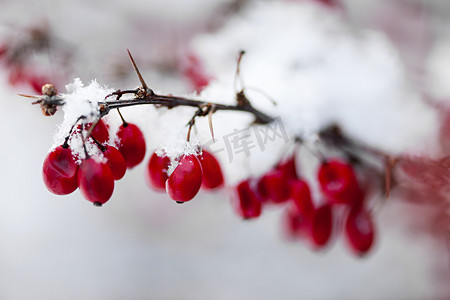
100, 132
185, 181
57, 184
132, 144
338, 182
301, 196
247, 201
96, 181
62, 161
274, 187
60, 171
359, 230
212, 173
195, 73
295, 225
116, 162
157, 171
288, 168
321, 226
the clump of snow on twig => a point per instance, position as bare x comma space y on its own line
80, 100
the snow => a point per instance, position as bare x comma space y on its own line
320, 71
141, 245
80, 100
439, 70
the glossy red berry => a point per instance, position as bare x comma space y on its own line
359, 230
62, 161
57, 184
247, 202
212, 172
96, 181
115, 161
338, 182
60, 171
185, 181
301, 197
132, 144
321, 226
157, 168
100, 132
274, 187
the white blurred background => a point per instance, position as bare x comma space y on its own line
141, 245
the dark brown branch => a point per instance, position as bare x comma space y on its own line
145, 95
174, 101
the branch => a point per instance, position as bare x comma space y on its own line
174, 101
49, 101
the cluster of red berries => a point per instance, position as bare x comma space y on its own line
95, 175
303, 218
191, 173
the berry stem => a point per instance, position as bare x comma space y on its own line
125, 124
84, 144
99, 145
66, 140
237, 75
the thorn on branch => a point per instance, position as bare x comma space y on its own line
146, 90
238, 73
211, 111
